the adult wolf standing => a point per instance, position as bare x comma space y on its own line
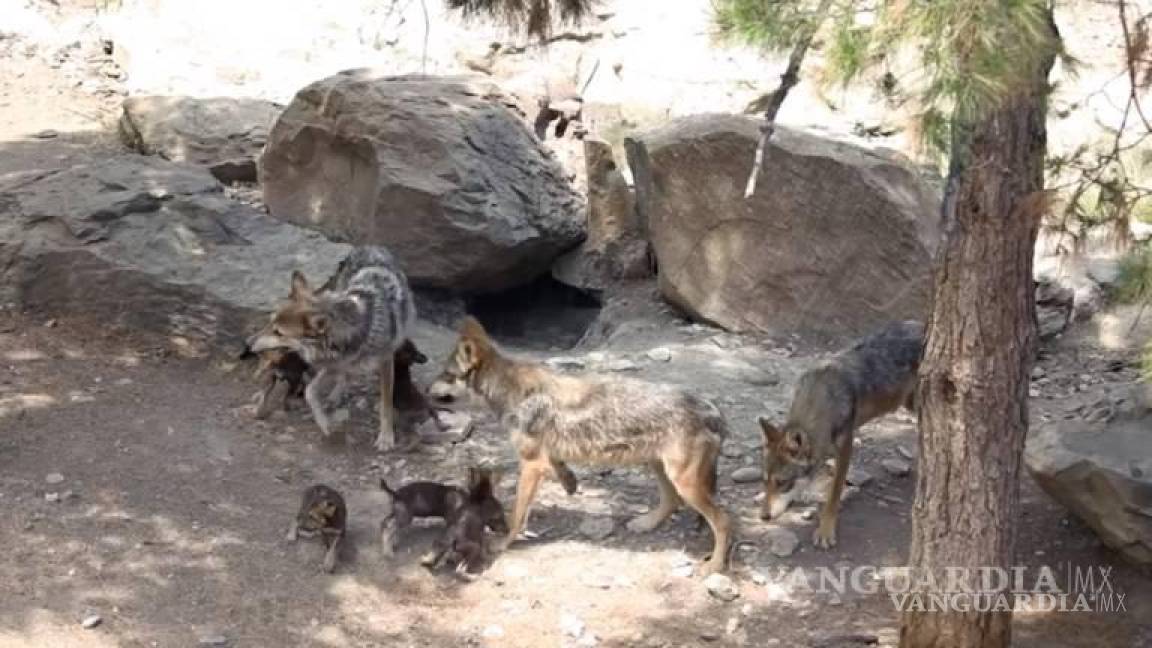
354, 323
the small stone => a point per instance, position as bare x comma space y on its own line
46, 134
622, 364
492, 632
759, 578
807, 514
896, 467
91, 621
660, 354
709, 634
571, 625
54, 478
1033, 392
213, 640
859, 477
722, 587
782, 542
597, 528
905, 452
587, 641
50, 324
562, 363
746, 475
732, 626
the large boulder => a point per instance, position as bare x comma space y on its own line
142, 244
224, 134
1103, 474
835, 241
438, 169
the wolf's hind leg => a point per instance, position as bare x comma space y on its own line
692, 482
669, 502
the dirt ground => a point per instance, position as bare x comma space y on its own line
137, 488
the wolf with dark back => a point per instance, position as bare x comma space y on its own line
873, 377
554, 419
353, 324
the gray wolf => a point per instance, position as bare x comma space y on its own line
322, 512
555, 418
425, 499
464, 542
355, 321
873, 377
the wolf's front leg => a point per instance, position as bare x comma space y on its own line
532, 472
312, 396
386, 440
825, 535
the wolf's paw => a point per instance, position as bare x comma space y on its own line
330, 562
385, 441
824, 537
646, 522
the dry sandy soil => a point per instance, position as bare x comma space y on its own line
136, 487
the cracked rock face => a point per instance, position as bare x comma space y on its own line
224, 134
836, 241
144, 244
439, 169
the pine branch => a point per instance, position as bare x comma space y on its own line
1130, 63
788, 80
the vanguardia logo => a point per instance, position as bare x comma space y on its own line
1069, 588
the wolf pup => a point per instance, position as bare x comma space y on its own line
873, 377
464, 542
556, 418
425, 499
285, 375
356, 321
323, 512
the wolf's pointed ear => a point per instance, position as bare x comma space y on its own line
473, 330
300, 287
772, 434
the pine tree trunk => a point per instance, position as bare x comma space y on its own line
973, 391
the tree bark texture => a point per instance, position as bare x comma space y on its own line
973, 389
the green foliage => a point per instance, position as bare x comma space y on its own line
773, 25
533, 18
1148, 362
970, 56
1134, 284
